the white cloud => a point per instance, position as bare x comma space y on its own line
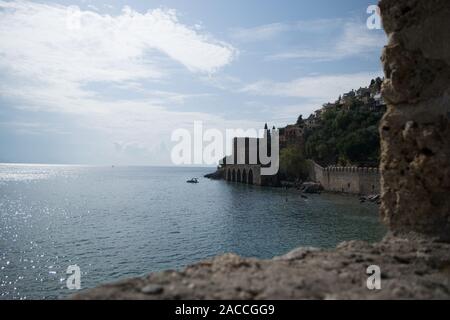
321, 88
358, 39
355, 40
309, 93
48, 62
32, 128
288, 114
270, 31
54, 42
335, 38
259, 33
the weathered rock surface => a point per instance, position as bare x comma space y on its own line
415, 131
414, 268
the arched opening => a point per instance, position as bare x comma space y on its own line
229, 175
234, 176
250, 176
239, 175
244, 176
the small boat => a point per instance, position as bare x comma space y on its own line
193, 180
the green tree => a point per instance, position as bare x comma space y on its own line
345, 137
293, 164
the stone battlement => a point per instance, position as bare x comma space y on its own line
352, 169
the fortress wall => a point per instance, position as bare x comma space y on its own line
369, 181
341, 180
352, 180
315, 171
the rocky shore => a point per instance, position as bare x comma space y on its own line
410, 268
216, 175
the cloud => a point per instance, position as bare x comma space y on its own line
259, 33
304, 95
354, 40
271, 31
115, 77
284, 114
320, 88
32, 128
335, 39
54, 42
55, 58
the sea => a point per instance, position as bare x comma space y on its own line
115, 222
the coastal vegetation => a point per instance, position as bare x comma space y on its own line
293, 165
345, 137
343, 133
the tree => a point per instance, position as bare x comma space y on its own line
345, 137
293, 165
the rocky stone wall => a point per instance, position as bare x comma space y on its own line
415, 131
353, 180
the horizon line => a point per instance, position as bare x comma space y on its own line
104, 165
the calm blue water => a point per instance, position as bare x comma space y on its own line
129, 221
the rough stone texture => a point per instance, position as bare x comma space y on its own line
415, 130
415, 135
414, 268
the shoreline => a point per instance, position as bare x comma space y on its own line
317, 188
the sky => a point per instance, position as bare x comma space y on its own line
107, 82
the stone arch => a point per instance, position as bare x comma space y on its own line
244, 176
239, 178
233, 176
250, 176
229, 175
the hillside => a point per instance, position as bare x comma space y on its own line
344, 132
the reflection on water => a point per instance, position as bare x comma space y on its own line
127, 221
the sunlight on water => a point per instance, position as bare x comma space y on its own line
128, 221
23, 172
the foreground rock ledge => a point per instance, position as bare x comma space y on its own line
410, 268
